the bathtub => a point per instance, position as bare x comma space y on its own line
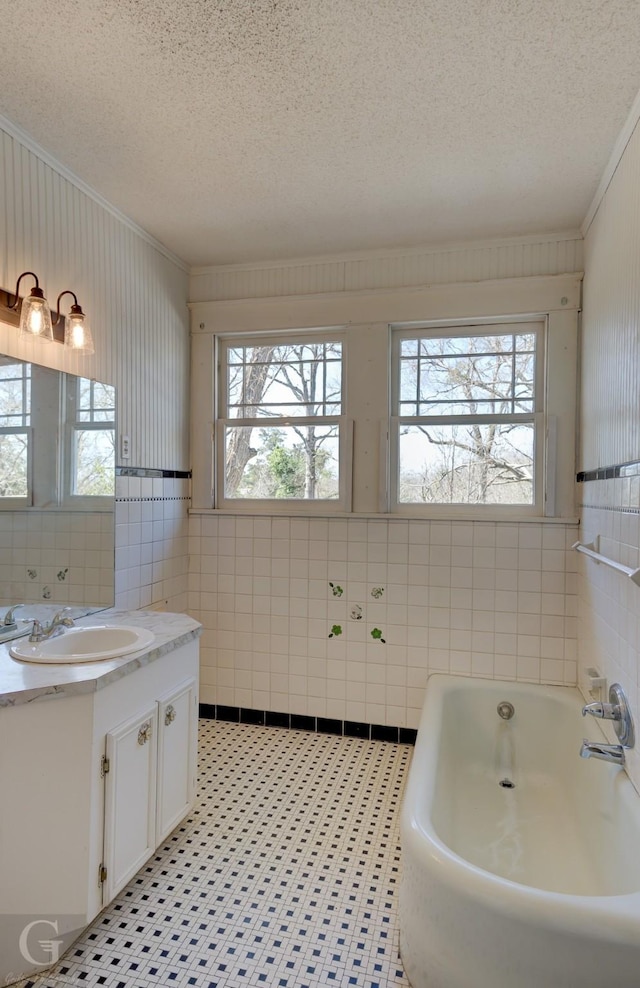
532, 883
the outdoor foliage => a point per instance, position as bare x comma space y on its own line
272, 452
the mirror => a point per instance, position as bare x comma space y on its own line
57, 487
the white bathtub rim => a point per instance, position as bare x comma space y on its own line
613, 916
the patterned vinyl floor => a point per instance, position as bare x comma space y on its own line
285, 875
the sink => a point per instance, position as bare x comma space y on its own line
89, 644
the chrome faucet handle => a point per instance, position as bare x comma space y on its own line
604, 711
617, 710
37, 633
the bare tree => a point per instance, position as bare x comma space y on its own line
264, 386
253, 378
479, 462
304, 387
14, 414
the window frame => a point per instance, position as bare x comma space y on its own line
538, 325
288, 506
25, 428
73, 425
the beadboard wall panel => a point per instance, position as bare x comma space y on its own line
611, 322
608, 625
512, 258
134, 296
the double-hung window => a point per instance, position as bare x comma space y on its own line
281, 435
90, 447
15, 432
468, 426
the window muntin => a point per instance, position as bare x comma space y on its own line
287, 380
15, 431
468, 403
281, 434
91, 452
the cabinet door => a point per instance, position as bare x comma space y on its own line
130, 798
177, 746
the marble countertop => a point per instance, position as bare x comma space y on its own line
24, 682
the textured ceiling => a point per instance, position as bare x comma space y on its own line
239, 130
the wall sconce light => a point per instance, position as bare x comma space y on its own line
35, 316
35, 320
77, 335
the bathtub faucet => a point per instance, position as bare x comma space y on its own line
607, 752
617, 710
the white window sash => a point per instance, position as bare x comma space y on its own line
542, 497
16, 503
223, 421
287, 505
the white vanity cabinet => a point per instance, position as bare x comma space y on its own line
177, 754
130, 799
92, 780
149, 782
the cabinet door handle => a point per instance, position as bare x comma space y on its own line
169, 714
144, 733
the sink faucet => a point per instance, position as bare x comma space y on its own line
9, 620
57, 626
607, 752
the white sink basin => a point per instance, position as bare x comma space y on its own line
91, 644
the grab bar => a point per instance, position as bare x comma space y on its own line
589, 550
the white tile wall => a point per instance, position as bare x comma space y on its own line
61, 556
482, 599
151, 540
609, 602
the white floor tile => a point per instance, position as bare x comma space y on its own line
285, 875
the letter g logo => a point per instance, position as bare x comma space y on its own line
50, 948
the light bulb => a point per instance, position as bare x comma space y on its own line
77, 334
35, 318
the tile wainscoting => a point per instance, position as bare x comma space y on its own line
609, 602
59, 557
152, 539
345, 618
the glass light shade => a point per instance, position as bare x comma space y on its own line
35, 318
77, 335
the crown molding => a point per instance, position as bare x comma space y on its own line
23, 138
619, 148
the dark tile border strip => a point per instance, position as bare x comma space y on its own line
121, 500
153, 472
630, 469
301, 722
